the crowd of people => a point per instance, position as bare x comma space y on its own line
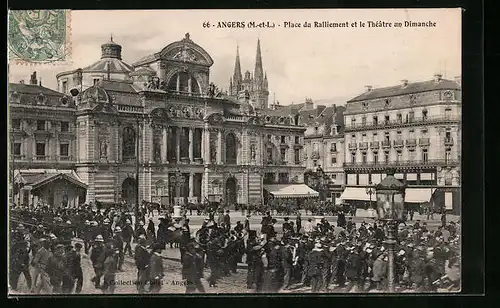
47, 244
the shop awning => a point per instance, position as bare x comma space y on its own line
356, 193
291, 191
419, 195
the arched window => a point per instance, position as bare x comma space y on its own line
160, 188
129, 137
231, 149
183, 82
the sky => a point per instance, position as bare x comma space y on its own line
333, 64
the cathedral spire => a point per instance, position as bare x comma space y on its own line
237, 77
259, 74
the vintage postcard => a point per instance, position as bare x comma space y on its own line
234, 151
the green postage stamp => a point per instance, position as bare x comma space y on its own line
39, 36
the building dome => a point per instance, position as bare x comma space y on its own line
96, 95
111, 50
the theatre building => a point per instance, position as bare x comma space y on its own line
414, 128
159, 128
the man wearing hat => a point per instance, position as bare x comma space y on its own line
127, 234
97, 259
40, 263
118, 244
274, 273
140, 230
142, 261
192, 270
315, 266
156, 268
109, 270
76, 267
106, 230
246, 225
88, 236
56, 268
19, 261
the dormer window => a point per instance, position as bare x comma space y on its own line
387, 119
96, 81
424, 114
387, 102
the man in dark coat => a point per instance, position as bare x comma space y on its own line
76, 267
19, 261
341, 220
246, 226
142, 261
274, 273
97, 258
315, 266
156, 268
298, 222
192, 270
118, 244
127, 234
354, 269
227, 221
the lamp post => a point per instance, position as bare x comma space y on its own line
390, 207
178, 180
370, 190
320, 174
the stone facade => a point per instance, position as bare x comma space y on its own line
164, 120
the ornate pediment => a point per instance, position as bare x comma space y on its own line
215, 118
187, 51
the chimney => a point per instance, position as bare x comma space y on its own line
309, 105
405, 82
368, 88
458, 79
438, 77
33, 79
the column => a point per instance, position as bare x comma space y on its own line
178, 85
191, 144
204, 180
206, 144
219, 146
164, 151
189, 84
178, 143
191, 184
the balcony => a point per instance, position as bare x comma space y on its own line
298, 162
198, 160
374, 145
284, 146
64, 158
398, 143
424, 141
40, 157
363, 145
386, 144
403, 123
448, 142
298, 146
411, 142
185, 160
353, 146
403, 163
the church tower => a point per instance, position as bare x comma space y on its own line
256, 85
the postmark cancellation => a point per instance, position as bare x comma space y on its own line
39, 36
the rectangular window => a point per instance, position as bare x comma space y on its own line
387, 119
40, 149
399, 156
334, 159
363, 158
64, 86
353, 158
333, 177
448, 135
375, 157
283, 154
64, 149
411, 155
334, 147
297, 155
447, 156
64, 126
16, 123
375, 137
411, 116
375, 120
425, 155
363, 120
386, 157
40, 125
448, 179
400, 118
17, 148
399, 135
297, 139
387, 137
283, 139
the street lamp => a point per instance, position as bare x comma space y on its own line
370, 190
390, 207
320, 174
178, 181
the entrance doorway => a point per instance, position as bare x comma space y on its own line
231, 191
129, 190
